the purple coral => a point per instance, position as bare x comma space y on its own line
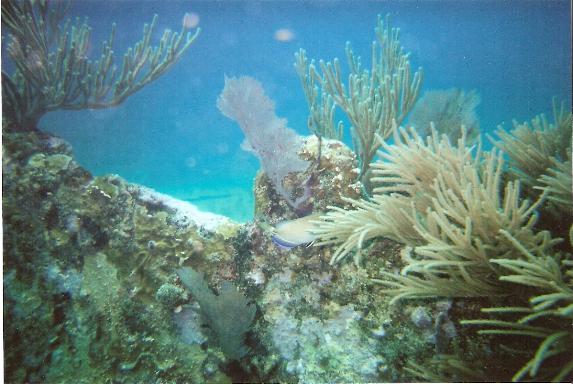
267, 136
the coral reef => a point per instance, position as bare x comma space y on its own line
95, 260
97, 270
469, 233
89, 273
320, 324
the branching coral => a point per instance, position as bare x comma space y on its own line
373, 98
446, 368
470, 234
547, 318
532, 147
558, 184
321, 117
411, 167
449, 205
53, 70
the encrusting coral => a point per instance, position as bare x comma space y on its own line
85, 261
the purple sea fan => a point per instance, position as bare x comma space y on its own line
266, 135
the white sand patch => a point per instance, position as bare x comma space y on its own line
184, 213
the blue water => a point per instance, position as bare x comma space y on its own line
170, 136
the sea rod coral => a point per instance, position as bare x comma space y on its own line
372, 99
53, 70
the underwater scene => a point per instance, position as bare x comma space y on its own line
302, 191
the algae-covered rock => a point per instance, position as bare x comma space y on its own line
92, 295
328, 179
84, 259
317, 340
106, 186
337, 172
170, 295
52, 163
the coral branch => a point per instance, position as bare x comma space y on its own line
54, 72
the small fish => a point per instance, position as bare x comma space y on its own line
288, 234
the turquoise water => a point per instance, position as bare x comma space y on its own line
170, 136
